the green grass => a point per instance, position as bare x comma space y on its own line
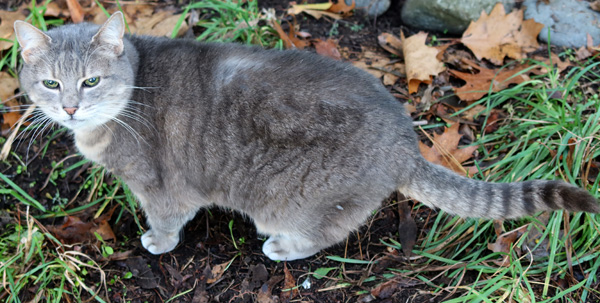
534, 142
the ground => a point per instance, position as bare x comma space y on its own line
219, 258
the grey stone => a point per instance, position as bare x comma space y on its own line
371, 8
569, 21
450, 16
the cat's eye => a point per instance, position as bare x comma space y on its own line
50, 84
90, 82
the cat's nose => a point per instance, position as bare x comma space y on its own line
70, 110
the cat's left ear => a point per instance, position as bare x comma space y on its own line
110, 35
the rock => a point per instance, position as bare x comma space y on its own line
449, 16
569, 21
371, 8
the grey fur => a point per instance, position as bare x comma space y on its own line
305, 146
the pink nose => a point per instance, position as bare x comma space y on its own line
70, 110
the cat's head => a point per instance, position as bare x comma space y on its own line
78, 75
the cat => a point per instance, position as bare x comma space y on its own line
306, 146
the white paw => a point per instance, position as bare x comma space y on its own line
282, 248
157, 243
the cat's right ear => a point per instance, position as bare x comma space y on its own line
110, 35
31, 39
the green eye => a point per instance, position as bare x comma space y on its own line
50, 83
91, 81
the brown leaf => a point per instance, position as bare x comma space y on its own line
407, 228
342, 8
386, 290
421, 62
159, 24
8, 85
73, 230
380, 66
289, 284
7, 19
77, 14
479, 84
217, 272
498, 35
595, 5
445, 150
327, 48
390, 43
290, 40
504, 242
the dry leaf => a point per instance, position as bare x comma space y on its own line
290, 40
7, 19
445, 150
504, 242
407, 228
380, 66
318, 10
77, 14
498, 35
420, 59
479, 84
217, 272
158, 24
390, 43
342, 8
327, 48
595, 5
8, 85
289, 285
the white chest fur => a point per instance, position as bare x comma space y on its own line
92, 145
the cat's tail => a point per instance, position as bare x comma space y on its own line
437, 186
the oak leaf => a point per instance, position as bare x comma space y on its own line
327, 48
420, 59
380, 66
479, 84
499, 35
445, 151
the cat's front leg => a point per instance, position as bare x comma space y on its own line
166, 219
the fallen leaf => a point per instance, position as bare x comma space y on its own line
380, 66
159, 24
289, 290
504, 242
386, 290
7, 19
445, 150
77, 14
8, 85
421, 62
342, 8
499, 35
479, 84
297, 9
595, 5
217, 272
317, 10
74, 230
327, 48
290, 40
407, 228
390, 43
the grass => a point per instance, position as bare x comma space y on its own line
552, 131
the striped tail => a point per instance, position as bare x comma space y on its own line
439, 187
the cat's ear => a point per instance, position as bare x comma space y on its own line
32, 40
110, 35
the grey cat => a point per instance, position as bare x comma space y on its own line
305, 146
